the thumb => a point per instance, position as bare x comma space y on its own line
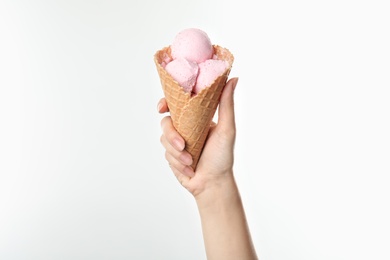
226, 106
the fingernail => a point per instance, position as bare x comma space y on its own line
159, 107
179, 145
235, 83
186, 158
189, 171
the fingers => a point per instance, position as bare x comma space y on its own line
226, 106
170, 133
182, 156
178, 158
162, 106
183, 179
178, 167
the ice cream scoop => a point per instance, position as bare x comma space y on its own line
192, 44
192, 48
184, 72
208, 72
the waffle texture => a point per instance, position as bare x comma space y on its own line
192, 116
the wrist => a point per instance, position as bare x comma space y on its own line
218, 191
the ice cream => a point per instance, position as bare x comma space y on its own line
193, 103
192, 44
208, 72
192, 48
184, 72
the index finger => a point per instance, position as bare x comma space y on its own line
170, 133
162, 106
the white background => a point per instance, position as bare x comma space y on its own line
82, 171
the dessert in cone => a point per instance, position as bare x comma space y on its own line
192, 114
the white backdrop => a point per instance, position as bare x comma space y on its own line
82, 172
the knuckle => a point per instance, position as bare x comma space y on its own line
164, 121
182, 168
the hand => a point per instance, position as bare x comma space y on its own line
216, 161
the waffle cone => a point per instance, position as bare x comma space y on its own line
192, 115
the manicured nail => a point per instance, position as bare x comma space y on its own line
189, 171
179, 145
185, 158
235, 81
159, 107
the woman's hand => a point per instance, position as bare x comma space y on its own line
216, 161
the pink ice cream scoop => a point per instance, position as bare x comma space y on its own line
193, 63
184, 72
192, 44
208, 72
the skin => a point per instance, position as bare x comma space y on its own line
225, 229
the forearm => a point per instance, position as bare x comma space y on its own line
225, 229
